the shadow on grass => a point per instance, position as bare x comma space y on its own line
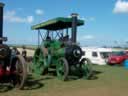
75, 75
94, 75
5, 88
95, 72
33, 84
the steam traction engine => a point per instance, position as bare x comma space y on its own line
59, 50
12, 65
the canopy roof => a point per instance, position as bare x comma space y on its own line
57, 24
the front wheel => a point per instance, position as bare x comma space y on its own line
20, 72
62, 69
86, 68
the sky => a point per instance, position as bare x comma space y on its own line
106, 21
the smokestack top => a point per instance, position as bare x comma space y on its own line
1, 4
74, 15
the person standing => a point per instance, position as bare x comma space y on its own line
24, 52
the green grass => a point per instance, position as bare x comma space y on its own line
110, 81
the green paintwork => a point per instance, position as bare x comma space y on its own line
56, 24
55, 52
38, 62
60, 70
41, 62
87, 70
51, 52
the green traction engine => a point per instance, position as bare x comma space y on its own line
59, 50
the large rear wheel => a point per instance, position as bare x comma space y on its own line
38, 65
62, 69
20, 72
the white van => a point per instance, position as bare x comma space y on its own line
97, 55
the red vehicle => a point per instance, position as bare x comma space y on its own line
118, 57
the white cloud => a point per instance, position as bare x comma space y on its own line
30, 19
92, 18
85, 18
121, 7
39, 12
86, 37
20, 9
88, 18
11, 16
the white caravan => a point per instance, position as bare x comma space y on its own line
97, 55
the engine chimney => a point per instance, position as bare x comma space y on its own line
1, 22
74, 27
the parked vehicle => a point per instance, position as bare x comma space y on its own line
97, 55
12, 64
117, 57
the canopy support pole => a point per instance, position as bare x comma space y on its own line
38, 38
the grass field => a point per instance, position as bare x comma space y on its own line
110, 81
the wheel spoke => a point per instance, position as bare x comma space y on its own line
87, 70
62, 69
21, 72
